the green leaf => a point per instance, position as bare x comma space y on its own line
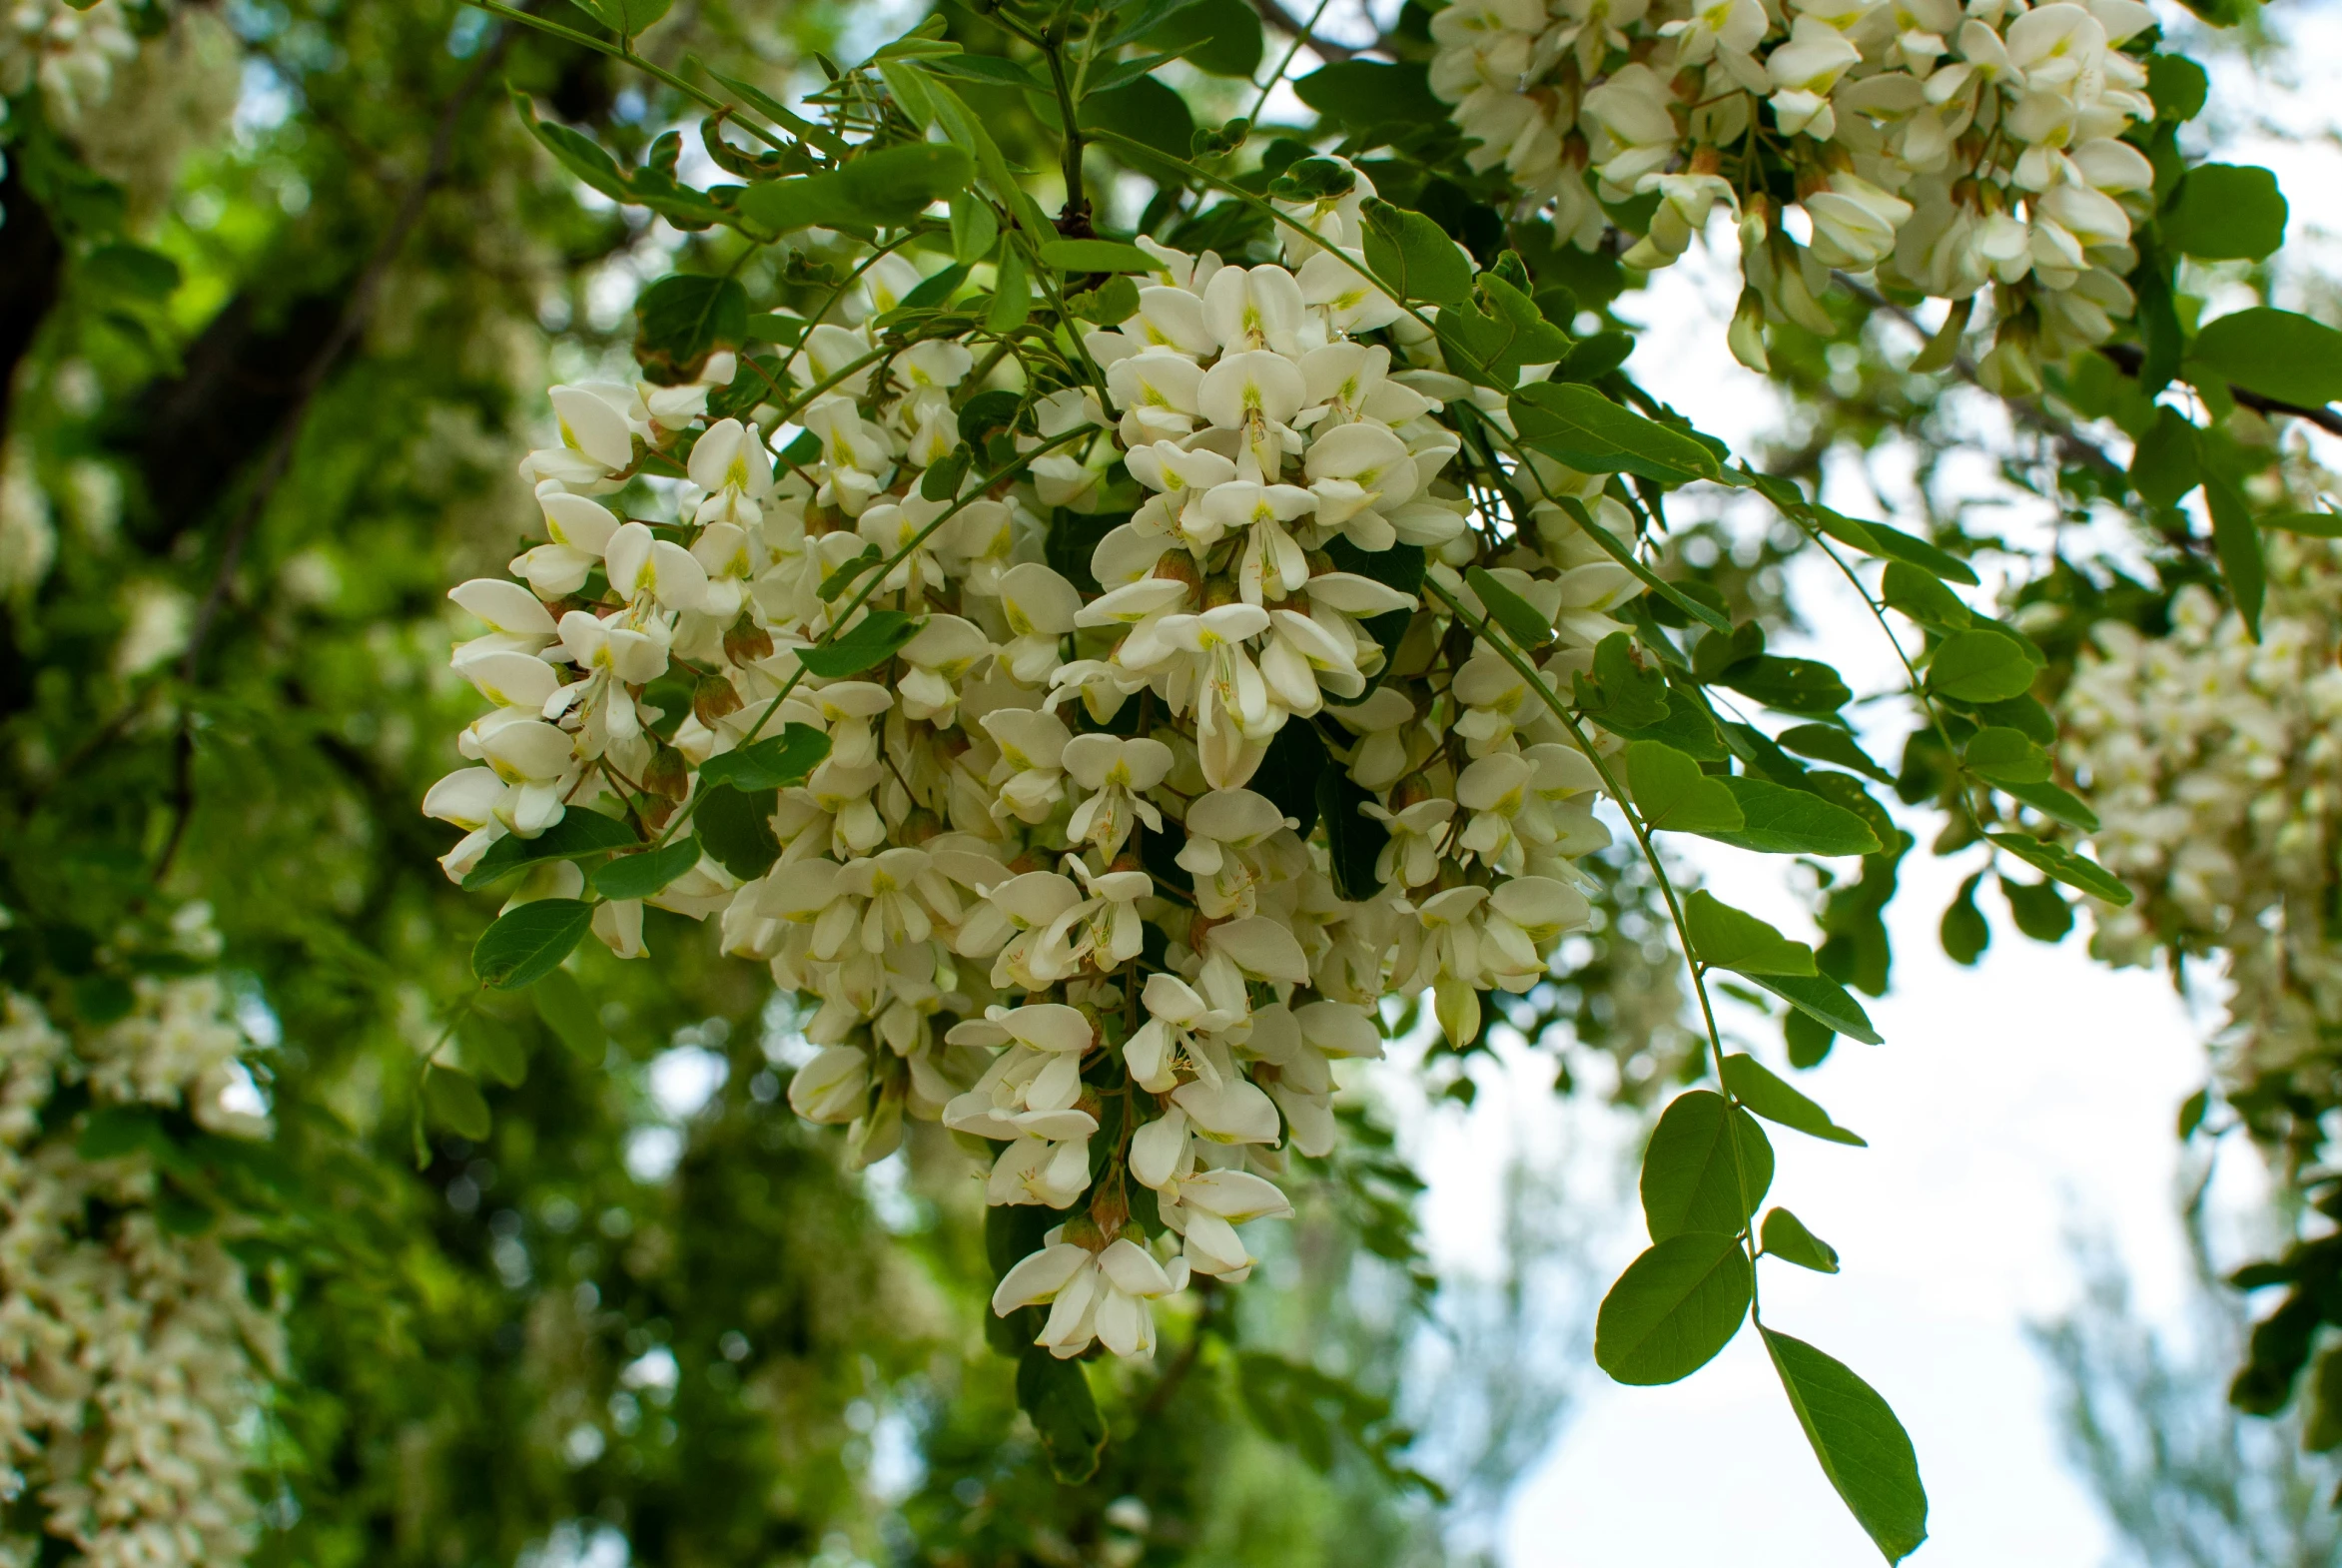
2226, 212
1095, 256
1755, 1085
1621, 693
1491, 346
1924, 597
2039, 910
115, 1131
1369, 93
1056, 1396
780, 761
1288, 774
941, 481
2310, 524
2025, 715
736, 829
1591, 358
872, 640
1785, 1236
1965, 932
2075, 871
2278, 353
1688, 1183
1151, 114
991, 70
1673, 1309
2239, 545
1414, 255
490, 1050
1876, 539
1575, 424
640, 875
2055, 803
2164, 467
888, 188
1779, 820
528, 942
1980, 666
1863, 1447
680, 320
578, 834
563, 1007
2178, 86
1217, 37
1809, 1039
1829, 743
1353, 840
1520, 619
1673, 795
581, 155
1733, 939
1825, 1001
132, 270
1792, 685
1012, 294
455, 1102
975, 228
2006, 756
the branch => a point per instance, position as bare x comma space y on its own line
1276, 16
2127, 358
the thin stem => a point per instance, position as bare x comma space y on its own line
1077, 208
623, 50
1494, 638
1305, 34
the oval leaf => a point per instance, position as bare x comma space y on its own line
640, 875
1516, 616
1778, 820
527, 943
564, 1008
1826, 1002
1787, 1238
2075, 871
1095, 256
1575, 424
1733, 939
1673, 795
1754, 1086
1863, 1447
2278, 353
579, 833
780, 761
1673, 1309
1688, 1183
1414, 255
1980, 666
457, 1103
873, 639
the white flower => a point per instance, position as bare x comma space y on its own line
1097, 1297
1117, 773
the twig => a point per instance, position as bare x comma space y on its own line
354, 315
2128, 357
1293, 27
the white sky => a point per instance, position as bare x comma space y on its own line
2013, 1105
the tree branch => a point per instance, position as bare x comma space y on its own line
1276, 16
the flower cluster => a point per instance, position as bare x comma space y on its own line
2214, 767
131, 1353
1943, 149
1171, 778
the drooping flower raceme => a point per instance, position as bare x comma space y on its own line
1948, 150
1155, 775
132, 1354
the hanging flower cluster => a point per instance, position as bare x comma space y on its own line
1154, 776
2214, 766
1943, 149
131, 1353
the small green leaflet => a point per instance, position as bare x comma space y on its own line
1414, 255
1793, 685
640, 875
1924, 598
625, 17
2006, 756
888, 188
1863, 1447
578, 834
680, 318
1095, 256
2039, 910
780, 761
1688, 1182
1829, 743
2226, 212
455, 1102
1825, 1001
2278, 353
1785, 1236
493, 1051
528, 942
2075, 871
1754, 1086
873, 639
1733, 939
1980, 666
736, 829
1876, 539
2310, 524
1778, 820
1516, 616
1673, 795
1353, 840
837, 583
2239, 545
1621, 692
1573, 423
563, 1007
1673, 1309
1964, 931
2055, 803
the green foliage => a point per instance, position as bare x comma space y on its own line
1580, 427
2279, 354
1786, 1238
1703, 1170
2224, 212
1674, 1308
527, 943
